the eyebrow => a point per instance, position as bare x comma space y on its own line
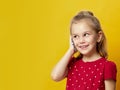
83, 32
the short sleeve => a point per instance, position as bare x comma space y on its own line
110, 70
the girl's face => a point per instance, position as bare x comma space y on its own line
84, 38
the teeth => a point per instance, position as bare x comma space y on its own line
83, 46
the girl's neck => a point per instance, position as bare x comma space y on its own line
91, 58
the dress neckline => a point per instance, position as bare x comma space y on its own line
97, 60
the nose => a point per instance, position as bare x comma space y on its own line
81, 40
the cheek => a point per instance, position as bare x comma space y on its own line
92, 40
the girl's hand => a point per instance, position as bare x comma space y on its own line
72, 46
76, 53
71, 43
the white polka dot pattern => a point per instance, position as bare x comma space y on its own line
86, 76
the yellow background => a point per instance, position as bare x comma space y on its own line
34, 35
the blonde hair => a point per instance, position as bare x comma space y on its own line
95, 24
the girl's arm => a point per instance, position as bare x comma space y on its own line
110, 84
60, 70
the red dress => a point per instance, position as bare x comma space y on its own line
90, 75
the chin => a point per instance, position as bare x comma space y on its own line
84, 52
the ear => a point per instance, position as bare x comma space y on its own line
100, 34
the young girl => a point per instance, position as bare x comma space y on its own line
90, 70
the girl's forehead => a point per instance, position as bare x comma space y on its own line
81, 26
86, 22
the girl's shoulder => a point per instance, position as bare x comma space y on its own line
73, 60
110, 70
110, 63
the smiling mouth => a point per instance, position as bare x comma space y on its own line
83, 46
